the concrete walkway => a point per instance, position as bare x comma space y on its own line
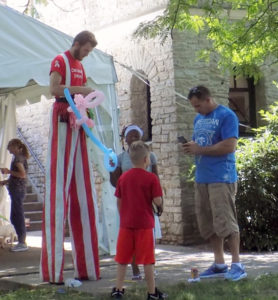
173, 265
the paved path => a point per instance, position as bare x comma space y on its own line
173, 266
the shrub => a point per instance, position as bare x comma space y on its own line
257, 197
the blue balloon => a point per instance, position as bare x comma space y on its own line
109, 154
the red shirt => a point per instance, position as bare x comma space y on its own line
137, 188
78, 76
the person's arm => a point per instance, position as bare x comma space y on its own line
114, 176
118, 204
4, 182
155, 170
57, 89
21, 173
221, 148
158, 202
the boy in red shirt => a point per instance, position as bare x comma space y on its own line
137, 189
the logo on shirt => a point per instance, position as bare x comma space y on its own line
77, 73
57, 64
204, 137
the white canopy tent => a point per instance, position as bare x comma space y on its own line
27, 49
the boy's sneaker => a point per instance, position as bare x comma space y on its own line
19, 247
214, 272
117, 294
158, 295
236, 273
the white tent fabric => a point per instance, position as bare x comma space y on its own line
28, 46
5, 204
7, 127
27, 49
7, 131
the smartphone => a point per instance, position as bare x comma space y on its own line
182, 140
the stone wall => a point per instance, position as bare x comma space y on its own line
189, 72
156, 62
33, 122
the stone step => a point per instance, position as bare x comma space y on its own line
32, 206
32, 210
29, 189
31, 197
35, 215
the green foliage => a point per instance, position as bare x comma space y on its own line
61, 293
176, 16
243, 32
257, 198
30, 7
187, 162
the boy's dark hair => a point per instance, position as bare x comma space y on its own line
138, 150
84, 37
200, 91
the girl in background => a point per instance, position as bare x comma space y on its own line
17, 189
131, 134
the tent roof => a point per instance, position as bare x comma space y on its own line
28, 47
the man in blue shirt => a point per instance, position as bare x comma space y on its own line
214, 144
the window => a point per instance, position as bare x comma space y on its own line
140, 98
243, 102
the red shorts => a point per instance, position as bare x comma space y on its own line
135, 242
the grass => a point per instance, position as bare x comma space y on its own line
263, 288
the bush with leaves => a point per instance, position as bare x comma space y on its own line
257, 197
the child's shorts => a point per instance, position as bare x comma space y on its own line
135, 242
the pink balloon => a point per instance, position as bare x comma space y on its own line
82, 104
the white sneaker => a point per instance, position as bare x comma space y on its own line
19, 247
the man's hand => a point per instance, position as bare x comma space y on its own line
191, 148
221, 148
57, 89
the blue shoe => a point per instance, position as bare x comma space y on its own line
236, 273
214, 272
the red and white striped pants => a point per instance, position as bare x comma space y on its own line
68, 193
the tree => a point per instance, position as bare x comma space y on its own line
243, 32
30, 7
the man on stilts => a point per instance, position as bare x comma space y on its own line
69, 191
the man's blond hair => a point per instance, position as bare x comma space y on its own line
138, 151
